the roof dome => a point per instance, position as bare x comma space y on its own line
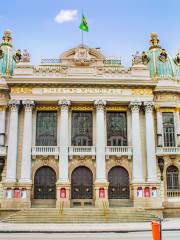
160, 63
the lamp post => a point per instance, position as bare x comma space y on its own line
161, 166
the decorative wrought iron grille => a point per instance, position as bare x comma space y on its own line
45, 183
116, 129
172, 178
168, 129
81, 128
46, 129
118, 183
82, 183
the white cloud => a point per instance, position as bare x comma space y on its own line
66, 15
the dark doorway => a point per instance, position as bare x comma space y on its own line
82, 183
118, 183
45, 183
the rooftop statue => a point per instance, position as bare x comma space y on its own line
25, 56
8, 56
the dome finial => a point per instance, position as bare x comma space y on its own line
7, 38
154, 41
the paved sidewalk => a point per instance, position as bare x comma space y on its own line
167, 224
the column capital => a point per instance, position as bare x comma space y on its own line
14, 105
28, 104
149, 106
135, 106
64, 104
100, 104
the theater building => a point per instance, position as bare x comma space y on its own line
85, 131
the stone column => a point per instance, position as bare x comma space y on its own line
136, 143
101, 180
27, 143
12, 142
100, 141
159, 129
2, 125
63, 181
150, 143
177, 117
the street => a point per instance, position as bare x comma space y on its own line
168, 235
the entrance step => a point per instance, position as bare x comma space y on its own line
81, 215
44, 203
120, 203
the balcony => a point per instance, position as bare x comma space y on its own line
173, 193
167, 150
82, 151
45, 150
3, 151
118, 151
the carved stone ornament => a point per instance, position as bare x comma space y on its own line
137, 58
135, 106
14, 104
64, 104
25, 57
163, 55
149, 106
145, 58
28, 104
100, 104
82, 56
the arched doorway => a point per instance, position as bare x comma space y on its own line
118, 183
82, 183
45, 183
172, 175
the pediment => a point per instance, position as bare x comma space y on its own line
82, 56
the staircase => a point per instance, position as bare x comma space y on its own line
80, 215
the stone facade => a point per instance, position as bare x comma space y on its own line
84, 80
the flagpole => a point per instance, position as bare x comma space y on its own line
82, 40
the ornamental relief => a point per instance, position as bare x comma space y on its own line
84, 161
119, 161
41, 161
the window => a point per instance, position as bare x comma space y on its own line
116, 129
81, 128
46, 129
172, 178
168, 129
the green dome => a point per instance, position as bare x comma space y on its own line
160, 63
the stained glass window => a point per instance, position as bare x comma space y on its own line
81, 129
116, 129
168, 129
46, 129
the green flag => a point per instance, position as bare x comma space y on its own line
84, 26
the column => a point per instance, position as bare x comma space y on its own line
177, 128
27, 143
12, 141
100, 141
159, 129
136, 143
64, 135
150, 143
2, 125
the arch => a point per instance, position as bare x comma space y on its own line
82, 183
118, 178
172, 176
45, 183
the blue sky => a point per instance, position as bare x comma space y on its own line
119, 27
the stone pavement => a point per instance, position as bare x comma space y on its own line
167, 224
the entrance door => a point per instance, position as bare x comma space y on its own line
118, 183
45, 183
82, 183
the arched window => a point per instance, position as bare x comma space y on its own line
172, 178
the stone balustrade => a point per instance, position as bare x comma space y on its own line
45, 150
119, 150
167, 150
3, 151
82, 150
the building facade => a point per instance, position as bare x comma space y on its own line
82, 130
